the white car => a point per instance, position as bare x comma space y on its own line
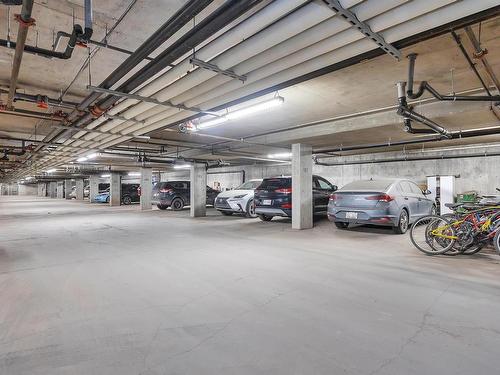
239, 200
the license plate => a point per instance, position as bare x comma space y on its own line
351, 215
266, 202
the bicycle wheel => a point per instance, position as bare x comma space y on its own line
431, 235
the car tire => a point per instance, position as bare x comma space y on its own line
341, 224
403, 223
434, 210
126, 200
251, 209
496, 241
177, 204
161, 206
107, 200
265, 218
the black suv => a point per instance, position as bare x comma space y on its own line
130, 193
274, 197
176, 194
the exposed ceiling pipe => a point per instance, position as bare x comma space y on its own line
480, 54
68, 52
41, 99
425, 86
25, 21
469, 61
56, 116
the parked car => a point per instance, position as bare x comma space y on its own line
103, 196
391, 202
176, 194
239, 200
130, 194
274, 197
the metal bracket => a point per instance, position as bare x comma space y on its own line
364, 28
216, 69
149, 100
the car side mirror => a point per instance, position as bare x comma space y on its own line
426, 192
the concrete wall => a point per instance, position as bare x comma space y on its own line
476, 173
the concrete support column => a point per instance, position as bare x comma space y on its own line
94, 187
115, 189
42, 189
79, 189
68, 186
146, 188
60, 189
302, 196
52, 189
198, 191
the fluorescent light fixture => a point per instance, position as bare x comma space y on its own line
271, 103
182, 166
105, 175
142, 136
92, 156
51, 170
30, 178
267, 104
134, 174
210, 123
281, 155
83, 158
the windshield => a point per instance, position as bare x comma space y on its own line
249, 185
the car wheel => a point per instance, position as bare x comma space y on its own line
251, 209
127, 200
161, 206
107, 200
226, 213
265, 218
341, 225
434, 210
403, 223
177, 204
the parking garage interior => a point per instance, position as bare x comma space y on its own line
239, 187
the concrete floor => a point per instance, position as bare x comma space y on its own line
89, 289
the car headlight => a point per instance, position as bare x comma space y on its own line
239, 196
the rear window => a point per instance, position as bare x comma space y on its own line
276, 183
369, 185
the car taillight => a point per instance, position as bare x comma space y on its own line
335, 197
286, 205
284, 190
380, 198
166, 190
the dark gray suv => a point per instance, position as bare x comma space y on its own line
176, 194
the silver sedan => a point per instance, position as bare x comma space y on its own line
394, 202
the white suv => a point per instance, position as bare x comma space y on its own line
239, 200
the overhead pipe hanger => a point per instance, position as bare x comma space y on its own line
364, 28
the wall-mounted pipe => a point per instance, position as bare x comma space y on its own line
454, 135
25, 21
18, 96
406, 158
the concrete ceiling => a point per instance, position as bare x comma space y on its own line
367, 86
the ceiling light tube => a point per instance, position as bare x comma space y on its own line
82, 159
51, 170
267, 104
134, 174
281, 155
182, 166
105, 175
